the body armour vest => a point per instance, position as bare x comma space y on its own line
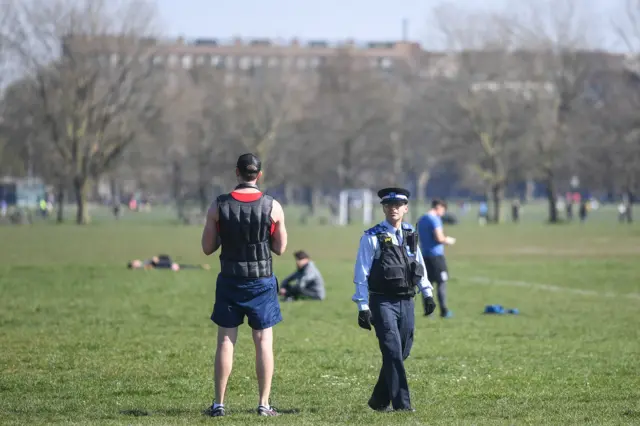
395, 272
245, 233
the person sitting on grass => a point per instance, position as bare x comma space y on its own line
305, 283
162, 261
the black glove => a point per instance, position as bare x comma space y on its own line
364, 319
429, 305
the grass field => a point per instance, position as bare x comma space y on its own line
84, 340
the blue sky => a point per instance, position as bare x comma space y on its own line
331, 19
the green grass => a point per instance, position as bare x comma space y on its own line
83, 340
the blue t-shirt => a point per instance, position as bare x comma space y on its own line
427, 225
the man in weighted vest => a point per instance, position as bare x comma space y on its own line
389, 266
248, 225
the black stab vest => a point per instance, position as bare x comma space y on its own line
245, 233
395, 273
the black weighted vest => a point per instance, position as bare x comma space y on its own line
245, 233
395, 273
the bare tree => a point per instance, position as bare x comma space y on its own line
627, 28
28, 150
347, 132
354, 106
481, 110
209, 131
624, 127
90, 64
613, 154
425, 94
260, 103
16, 131
4, 69
422, 139
559, 37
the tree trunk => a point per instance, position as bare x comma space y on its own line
202, 195
398, 156
115, 193
496, 198
309, 200
314, 199
629, 204
551, 199
177, 189
345, 183
289, 193
60, 202
345, 166
423, 181
202, 184
530, 187
80, 187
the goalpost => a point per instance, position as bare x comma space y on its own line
360, 198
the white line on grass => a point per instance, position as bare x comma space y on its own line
487, 280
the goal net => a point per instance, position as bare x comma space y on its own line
354, 202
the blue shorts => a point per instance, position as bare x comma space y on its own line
255, 298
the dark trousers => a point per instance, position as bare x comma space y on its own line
437, 273
393, 320
296, 293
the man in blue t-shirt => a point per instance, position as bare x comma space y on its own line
432, 241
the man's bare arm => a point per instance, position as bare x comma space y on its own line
279, 237
210, 236
439, 234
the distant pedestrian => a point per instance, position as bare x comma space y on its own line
432, 242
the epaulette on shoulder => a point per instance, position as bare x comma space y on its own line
407, 226
375, 230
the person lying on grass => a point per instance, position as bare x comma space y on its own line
162, 261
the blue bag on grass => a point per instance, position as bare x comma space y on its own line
500, 310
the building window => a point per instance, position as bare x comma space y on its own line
314, 62
273, 62
114, 59
385, 63
187, 61
158, 59
245, 63
215, 61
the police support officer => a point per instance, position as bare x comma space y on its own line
388, 267
249, 226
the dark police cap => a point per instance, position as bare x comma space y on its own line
394, 195
249, 163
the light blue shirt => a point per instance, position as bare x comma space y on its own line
368, 251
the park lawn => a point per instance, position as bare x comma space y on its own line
84, 340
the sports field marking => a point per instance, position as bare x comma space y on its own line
548, 287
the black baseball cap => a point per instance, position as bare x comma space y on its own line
249, 163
